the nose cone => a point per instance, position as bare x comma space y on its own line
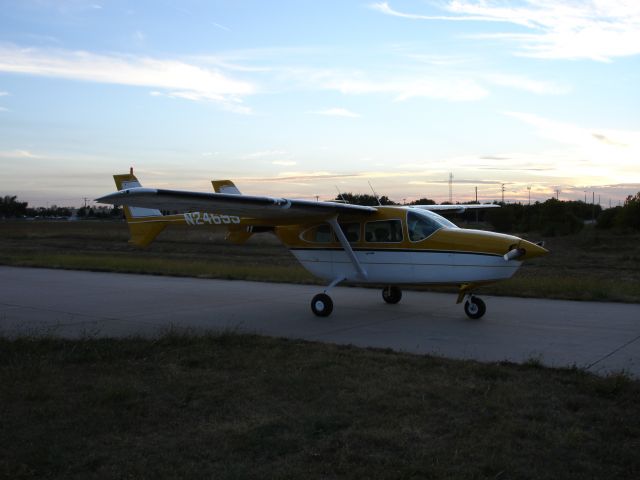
532, 250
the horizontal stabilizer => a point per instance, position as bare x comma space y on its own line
225, 186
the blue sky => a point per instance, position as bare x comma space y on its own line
298, 98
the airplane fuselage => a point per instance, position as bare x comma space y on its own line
448, 255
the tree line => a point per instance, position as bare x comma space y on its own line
550, 218
10, 207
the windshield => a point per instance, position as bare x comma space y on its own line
423, 223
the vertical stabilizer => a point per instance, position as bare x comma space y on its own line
130, 181
144, 223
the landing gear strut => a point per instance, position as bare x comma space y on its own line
474, 307
391, 294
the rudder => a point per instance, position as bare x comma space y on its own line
144, 223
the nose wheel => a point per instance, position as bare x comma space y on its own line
474, 307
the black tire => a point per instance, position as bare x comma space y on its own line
474, 308
322, 305
391, 294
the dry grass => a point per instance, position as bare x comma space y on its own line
232, 406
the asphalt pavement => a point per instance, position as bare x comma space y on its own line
601, 337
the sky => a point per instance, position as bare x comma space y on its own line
305, 98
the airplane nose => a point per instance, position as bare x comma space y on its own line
532, 250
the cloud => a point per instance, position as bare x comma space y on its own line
284, 163
337, 112
621, 143
587, 154
594, 29
384, 7
522, 82
220, 26
4, 94
265, 153
401, 86
175, 78
18, 154
4, 109
604, 139
460, 182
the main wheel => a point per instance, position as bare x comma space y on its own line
391, 294
322, 305
474, 308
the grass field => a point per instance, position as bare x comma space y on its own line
592, 265
233, 406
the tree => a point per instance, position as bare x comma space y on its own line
624, 218
364, 199
10, 207
423, 201
629, 216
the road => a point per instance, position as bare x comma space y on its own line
600, 337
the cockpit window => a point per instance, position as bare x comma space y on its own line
351, 231
423, 224
383, 231
319, 234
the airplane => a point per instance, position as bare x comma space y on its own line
392, 246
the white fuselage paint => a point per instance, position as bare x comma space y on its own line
407, 266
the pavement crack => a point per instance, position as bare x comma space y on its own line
613, 352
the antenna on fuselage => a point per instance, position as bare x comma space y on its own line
374, 193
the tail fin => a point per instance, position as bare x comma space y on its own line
225, 186
144, 223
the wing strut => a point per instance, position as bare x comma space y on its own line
347, 247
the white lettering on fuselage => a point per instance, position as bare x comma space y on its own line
204, 218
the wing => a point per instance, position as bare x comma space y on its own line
456, 208
280, 210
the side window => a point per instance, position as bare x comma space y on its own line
318, 234
351, 231
383, 231
420, 226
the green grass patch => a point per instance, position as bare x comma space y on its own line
131, 263
567, 288
237, 406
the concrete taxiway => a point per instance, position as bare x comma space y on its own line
600, 337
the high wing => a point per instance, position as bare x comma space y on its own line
279, 211
456, 208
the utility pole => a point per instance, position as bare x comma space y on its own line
593, 206
476, 202
585, 196
85, 202
451, 188
502, 188
529, 189
557, 194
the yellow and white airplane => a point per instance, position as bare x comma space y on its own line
388, 246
